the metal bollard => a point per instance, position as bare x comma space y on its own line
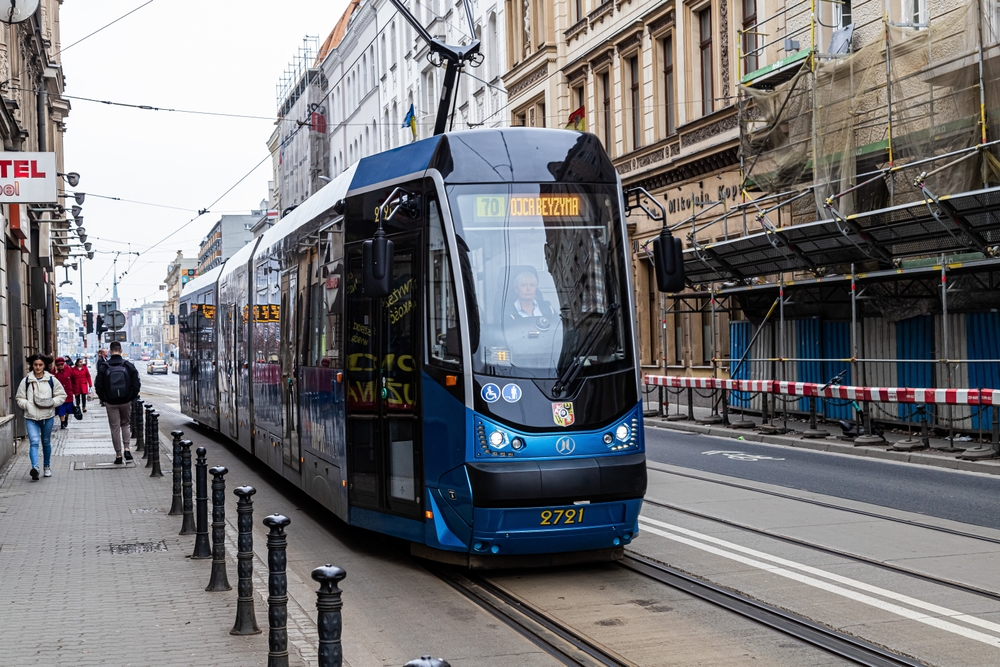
813, 431
202, 549
427, 661
330, 622
277, 591
219, 581
134, 418
154, 455
187, 525
177, 504
152, 438
138, 425
691, 403
148, 421
246, 620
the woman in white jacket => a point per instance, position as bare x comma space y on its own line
38, 395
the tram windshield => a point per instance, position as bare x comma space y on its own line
547, 274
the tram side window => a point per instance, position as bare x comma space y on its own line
325, 321
445, 337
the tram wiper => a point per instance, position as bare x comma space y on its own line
573, 369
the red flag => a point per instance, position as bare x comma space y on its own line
578, 120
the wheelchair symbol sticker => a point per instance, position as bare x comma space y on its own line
565, 445
511, 393
490, 393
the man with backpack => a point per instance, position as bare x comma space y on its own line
117, 385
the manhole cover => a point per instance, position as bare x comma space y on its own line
139, 547
143, 510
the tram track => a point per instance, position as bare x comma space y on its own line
948, 583
826, 505
559, 640
846, 646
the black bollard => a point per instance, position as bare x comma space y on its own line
187, 525
154, 455
202, 549
137, 425
427, 661
219, 581
277, 591
153, 438
330, 622
147, 433
134, 418
177, 504
246, 620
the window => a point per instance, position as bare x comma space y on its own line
492, 65
445, 338
750, 60
606, 109
578, 7
669, 97
915, 11
633, 69
678, 340
707, 342
842, 13
705, 49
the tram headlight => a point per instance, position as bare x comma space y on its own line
517, 443
497, 439
622, 432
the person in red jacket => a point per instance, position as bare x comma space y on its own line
65, 377
82, 382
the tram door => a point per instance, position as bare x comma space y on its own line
289, 380
383, 371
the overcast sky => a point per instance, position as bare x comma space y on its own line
222, 56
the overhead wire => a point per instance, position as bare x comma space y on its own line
67, 48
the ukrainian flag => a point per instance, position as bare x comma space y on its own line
411, 121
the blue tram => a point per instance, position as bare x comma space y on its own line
475, 389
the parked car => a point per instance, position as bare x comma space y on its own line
145, 357
157, 366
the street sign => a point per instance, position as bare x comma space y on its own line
112, 336
105, 307
115, 319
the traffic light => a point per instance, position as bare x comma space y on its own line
89, 318
101, 327
173, 320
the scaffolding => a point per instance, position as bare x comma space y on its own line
870, 188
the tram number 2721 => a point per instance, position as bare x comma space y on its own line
564, 517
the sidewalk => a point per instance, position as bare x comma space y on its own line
831, 443
94, 572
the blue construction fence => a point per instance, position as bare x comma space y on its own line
971, 335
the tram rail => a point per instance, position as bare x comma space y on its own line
544, 630
948, 583
816, 634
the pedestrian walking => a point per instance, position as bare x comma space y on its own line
117, 385
38, 394
82, 382
64, 375
102, 361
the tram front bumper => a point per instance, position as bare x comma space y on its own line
554, 529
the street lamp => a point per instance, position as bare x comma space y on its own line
72, 178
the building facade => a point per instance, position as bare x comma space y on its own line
179, 272
151, 329
32, 118
228, 235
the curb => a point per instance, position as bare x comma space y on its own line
828, 445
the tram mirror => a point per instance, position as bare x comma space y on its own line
668, 258
377, 260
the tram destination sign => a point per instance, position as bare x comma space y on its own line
497, 207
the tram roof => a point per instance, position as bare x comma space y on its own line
502, 155
202, 281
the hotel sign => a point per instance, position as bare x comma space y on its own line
28, 178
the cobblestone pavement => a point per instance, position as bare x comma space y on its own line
73, 592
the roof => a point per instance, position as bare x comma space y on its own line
202, 281
337, 34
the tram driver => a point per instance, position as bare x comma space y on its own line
526, 303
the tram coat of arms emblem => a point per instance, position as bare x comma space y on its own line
562, 414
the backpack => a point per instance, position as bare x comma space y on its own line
119, 384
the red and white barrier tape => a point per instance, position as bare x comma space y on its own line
846, 392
